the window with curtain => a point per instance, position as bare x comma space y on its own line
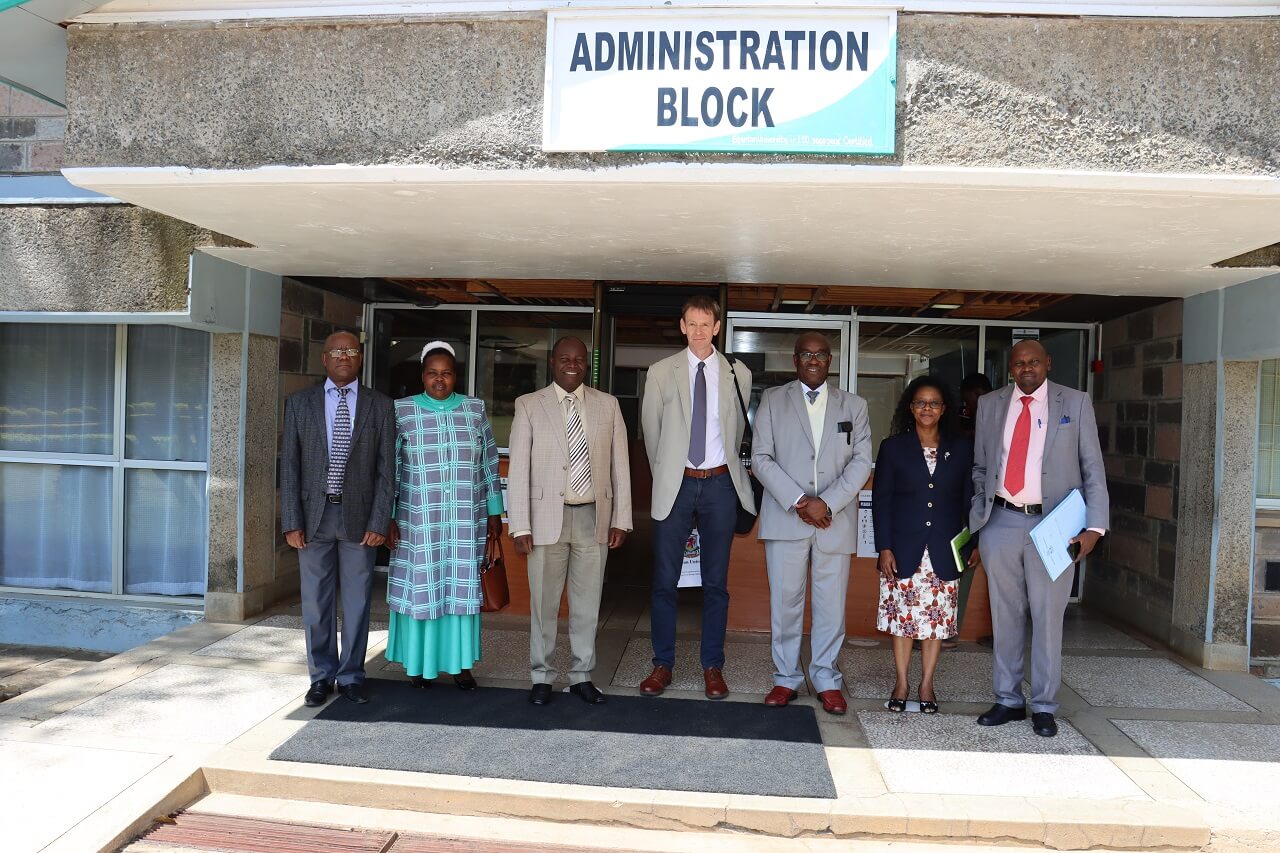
70, 467
1269, 432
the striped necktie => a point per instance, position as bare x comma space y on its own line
579, 458
340, 444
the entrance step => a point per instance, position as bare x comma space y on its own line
1009, 821
230, 823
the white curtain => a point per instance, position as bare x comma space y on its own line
55, 527
57, 388
166, 519
167, 394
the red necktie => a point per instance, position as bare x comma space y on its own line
1015, 470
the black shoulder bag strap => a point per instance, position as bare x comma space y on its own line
744, 448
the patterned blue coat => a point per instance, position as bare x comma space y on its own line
446, 487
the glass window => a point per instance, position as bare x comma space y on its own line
398, 338
512, 354
165, 531
1269, 432
55, 526
1066, 348
769, 351
891, 354
61, 401
167, 394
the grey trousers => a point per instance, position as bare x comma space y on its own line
1020, 586
790, 562
332, 562
578, 558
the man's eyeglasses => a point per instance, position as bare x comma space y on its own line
823, 357
339, 353
935, 405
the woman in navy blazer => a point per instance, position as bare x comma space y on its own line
920, 501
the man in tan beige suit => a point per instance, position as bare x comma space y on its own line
568, 502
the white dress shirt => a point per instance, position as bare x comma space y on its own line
817, 411
579, 396
331, 396
715, 439
1030, 493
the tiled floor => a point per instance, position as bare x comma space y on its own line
24, 668
1118, 682
1222, 762
1138, 727
748, 667
947, 753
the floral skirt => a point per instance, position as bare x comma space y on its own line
922, 606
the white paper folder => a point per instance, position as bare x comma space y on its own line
1056, 530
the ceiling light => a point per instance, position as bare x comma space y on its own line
946, 306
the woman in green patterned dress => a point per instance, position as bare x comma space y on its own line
447, 520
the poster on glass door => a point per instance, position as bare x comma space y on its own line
691, 568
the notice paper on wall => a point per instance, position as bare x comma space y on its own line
866, 529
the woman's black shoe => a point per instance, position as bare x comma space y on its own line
464, 681
897, 706
419, 682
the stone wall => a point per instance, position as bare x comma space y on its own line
31, 132
975, 91
94, 257
1139, 407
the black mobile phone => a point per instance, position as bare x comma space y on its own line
1073, 551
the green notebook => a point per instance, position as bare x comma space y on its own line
957, 542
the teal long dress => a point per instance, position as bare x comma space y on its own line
446, 487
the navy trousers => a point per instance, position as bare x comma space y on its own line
712, 506
330, 565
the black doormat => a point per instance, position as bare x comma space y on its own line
629, 742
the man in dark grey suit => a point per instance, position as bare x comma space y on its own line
337, 476
1035, 442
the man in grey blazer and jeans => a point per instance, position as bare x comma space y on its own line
1035, 441
812, 451
337, 476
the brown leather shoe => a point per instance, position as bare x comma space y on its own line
658, 680
833, 702
716, 688
779, 697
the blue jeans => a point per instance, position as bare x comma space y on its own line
711, 505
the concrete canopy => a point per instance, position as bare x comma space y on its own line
975, 229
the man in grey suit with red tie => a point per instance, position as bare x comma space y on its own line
1035, 442
337, 476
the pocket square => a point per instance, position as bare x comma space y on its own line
846, 427
1066, 419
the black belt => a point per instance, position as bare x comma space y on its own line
1029, 509
333, 499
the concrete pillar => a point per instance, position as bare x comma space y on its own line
1213, 578
242, 578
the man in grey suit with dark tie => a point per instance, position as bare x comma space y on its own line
337, 476
809, 515
1035, 442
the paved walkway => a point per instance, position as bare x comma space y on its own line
1152, 752
24, 668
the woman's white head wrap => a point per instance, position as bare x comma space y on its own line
434, 345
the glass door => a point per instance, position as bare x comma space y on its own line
766, 343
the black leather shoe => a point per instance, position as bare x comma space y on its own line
587, 692
319, 692
353, 693
419, 682
540, 694
464, 681
1001, 714
1044, 724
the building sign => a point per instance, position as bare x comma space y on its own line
739, 80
